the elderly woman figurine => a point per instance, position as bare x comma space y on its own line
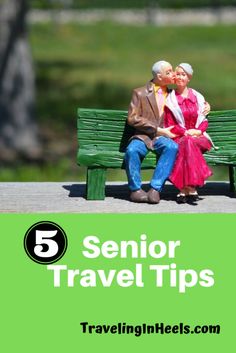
183, 111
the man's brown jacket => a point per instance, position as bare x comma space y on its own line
144, 115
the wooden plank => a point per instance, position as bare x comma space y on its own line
104, 147
116, 160
226, 113
100, 135
116, 145
110, 159
222, 130
112, 113
102, 114
100, 125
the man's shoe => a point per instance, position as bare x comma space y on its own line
153, 196
139, 196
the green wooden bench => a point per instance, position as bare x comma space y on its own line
104, 134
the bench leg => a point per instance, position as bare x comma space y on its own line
232, 179
96, 179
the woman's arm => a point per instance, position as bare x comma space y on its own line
203, 126
199, 131
169, 120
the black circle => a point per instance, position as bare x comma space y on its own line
45, 242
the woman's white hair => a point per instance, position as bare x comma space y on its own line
158, 67
187, 68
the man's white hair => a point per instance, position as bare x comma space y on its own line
158, 67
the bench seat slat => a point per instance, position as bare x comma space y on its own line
111, 159
114, 159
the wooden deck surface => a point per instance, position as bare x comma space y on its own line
68, 197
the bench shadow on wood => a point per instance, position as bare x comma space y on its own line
121, 191
127, 134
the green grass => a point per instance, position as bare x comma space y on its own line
98, 65
66, 170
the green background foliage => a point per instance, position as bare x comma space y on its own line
86, 4
98, 64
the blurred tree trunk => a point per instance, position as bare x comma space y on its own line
18, 129
151, 10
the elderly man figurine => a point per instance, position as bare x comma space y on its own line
146, 116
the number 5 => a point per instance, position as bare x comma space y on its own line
42, 237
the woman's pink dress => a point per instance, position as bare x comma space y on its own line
190, 168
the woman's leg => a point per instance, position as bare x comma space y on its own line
190, 168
